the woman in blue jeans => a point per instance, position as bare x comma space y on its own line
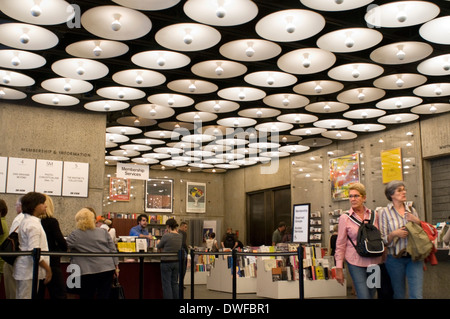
170, 242
400, 266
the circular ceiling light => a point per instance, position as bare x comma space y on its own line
327, 107
116, 138
192, 86
147, 141
333, 123
221, 13
198, 138
135, 121
148, 5
335, 5
67, 85
431, 108
368, 127
121, 93
400, 102
97, 49
125, 130
250, 50
27, 36
145, 161
188, 37
290, 25
82, 69
399, 118
116, 22
48, 12
294, 148
270, 79
399, 81
364, 113
349, 40
196, 117
315, 142
436, 66
219, 69
217, 106
306, 61
286, 100
433, 90
152, 111
285, 138
55, 99
236, 122
273, 127
11, 94
179, 127
12, 78
173, 163
126, 153
106, 106
163, 134
401, 14
297, 118
160, 59
355, 72
136, 147
436, 30
241, 94
401, 52
361, 95
259, 112
139, 78
19, 59
308, 131
170, 100
318, 87
339, 135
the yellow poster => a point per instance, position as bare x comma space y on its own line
391, 165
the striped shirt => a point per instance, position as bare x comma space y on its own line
391, 220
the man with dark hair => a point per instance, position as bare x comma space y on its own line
140, 230
277, 236
183, 231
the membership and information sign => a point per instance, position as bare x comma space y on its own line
75, 179
49, 177
20, 175
300, 223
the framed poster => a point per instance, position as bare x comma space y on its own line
49, 177
391, 165
3, 172
344, 171
119, 189
75, 179
159, 195
195, 197
21, 172
300, 223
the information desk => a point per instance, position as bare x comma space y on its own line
129, 277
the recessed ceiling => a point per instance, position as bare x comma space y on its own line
208, 85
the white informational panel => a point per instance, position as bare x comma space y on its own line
300, 223
132, 171
49, 177
20, 175
75, 179
3, 172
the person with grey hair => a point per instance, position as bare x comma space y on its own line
400, 266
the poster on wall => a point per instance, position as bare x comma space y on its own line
159, 195
300, 223
75, 179
49, 177
119, 189
20, 178
344, 171
195, 197
3, 172
391, 165
209, 227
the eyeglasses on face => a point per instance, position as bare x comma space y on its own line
354, 196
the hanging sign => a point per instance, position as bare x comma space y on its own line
3, 171
75, 179
20, 175
132, 171
300, 223
49, 177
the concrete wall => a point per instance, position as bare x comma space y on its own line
52, 134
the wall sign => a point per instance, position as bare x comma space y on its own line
3, 172
49, 177
195, 197
132, 171
300, 223
20, 175
75, 179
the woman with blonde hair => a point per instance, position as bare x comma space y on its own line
97, 273
56, 242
